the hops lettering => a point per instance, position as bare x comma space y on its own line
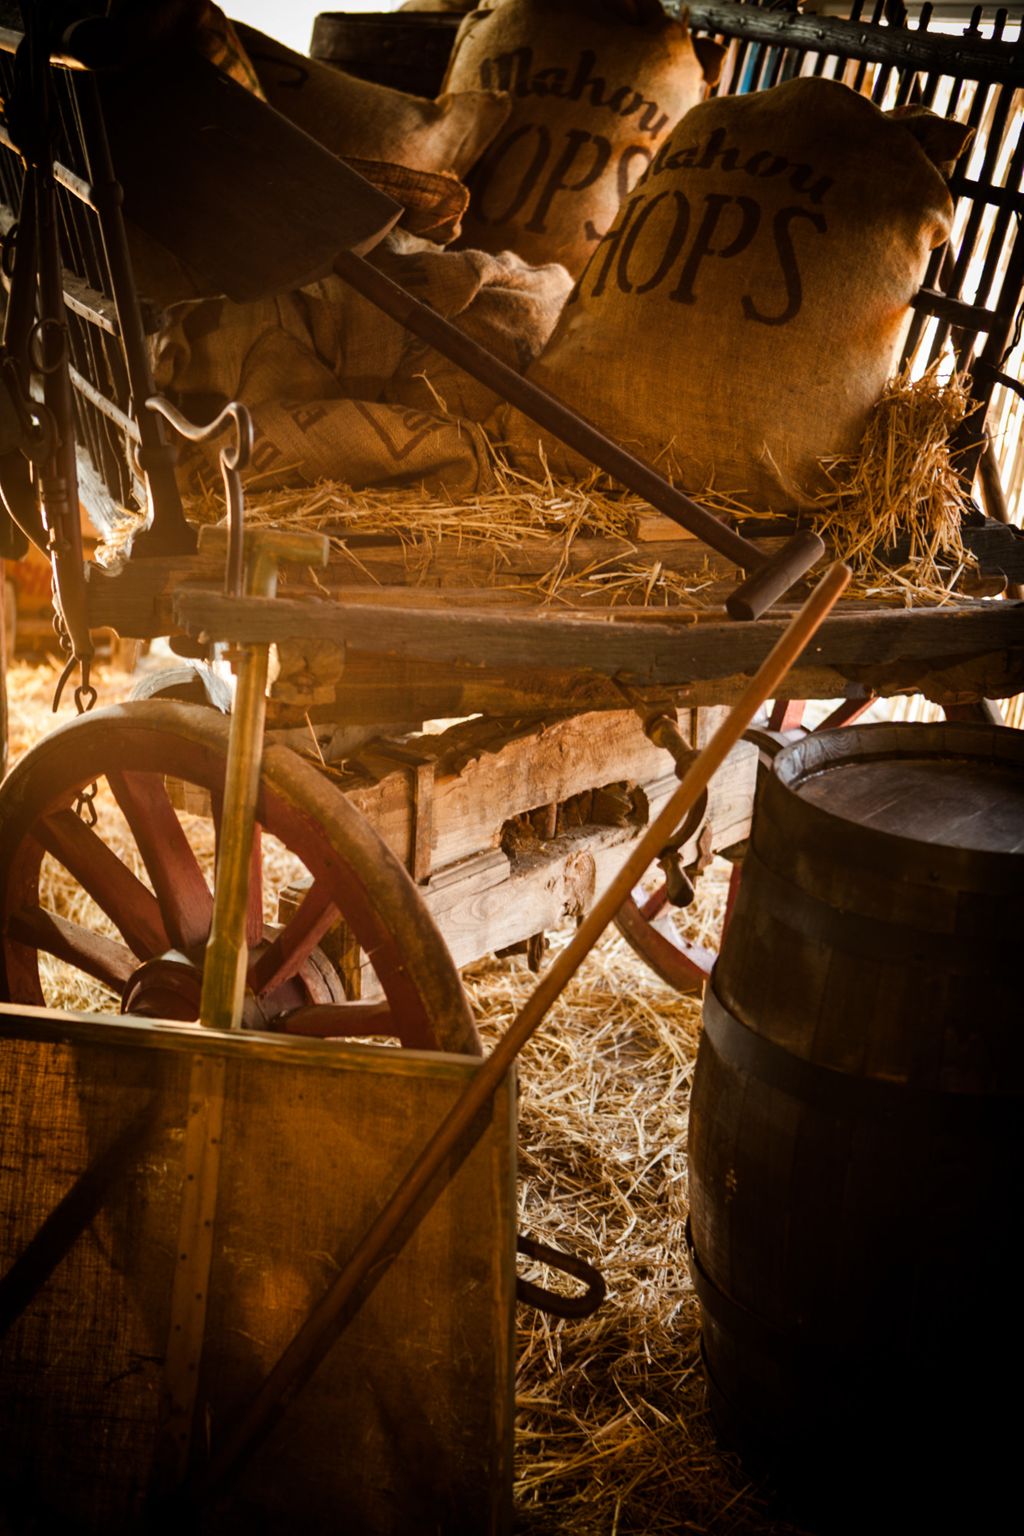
581, 160
513, 72
718, 154
664, 238
592, 90
532, 159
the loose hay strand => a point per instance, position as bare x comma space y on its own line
892, 511
903, 488
516, 509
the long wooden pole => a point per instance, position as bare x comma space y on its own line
317, 1333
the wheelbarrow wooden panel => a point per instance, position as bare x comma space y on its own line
407, 1426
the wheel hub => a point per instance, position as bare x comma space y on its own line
170, 986
166, 987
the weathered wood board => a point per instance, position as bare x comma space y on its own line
443, 628
407, 1424
482, 776
490, 883
970, 649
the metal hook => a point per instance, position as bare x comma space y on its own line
234, 457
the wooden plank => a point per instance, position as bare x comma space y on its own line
315, 1136
138, 600
481, 779
477, 789
374, 687
190, 1286
636, 651
489, 901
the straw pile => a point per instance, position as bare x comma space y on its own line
612, 1433
894, 509
893, 514
514, 511
902, 494
612, 1436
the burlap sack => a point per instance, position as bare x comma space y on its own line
595, 86
354, 117
338, 390
499, 300
434, 201
366, 443
744, 312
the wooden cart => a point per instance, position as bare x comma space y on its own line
505, 824
417, 852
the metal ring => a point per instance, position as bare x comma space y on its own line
7, 252
36, 345
567, 1264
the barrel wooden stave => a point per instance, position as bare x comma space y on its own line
854, 1158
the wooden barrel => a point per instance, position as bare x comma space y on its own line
408, 50
855, 1163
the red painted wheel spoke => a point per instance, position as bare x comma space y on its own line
111, 884
283, 958
93, 953
677, 960
180, 887
786, 714
655, 902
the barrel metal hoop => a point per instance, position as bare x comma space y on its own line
737, 1320
829, 1091
784, 813
855, 933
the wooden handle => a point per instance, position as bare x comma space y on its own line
317, 1333
765, 586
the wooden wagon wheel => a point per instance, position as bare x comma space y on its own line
154, 963
645, 920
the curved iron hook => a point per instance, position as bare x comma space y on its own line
234, 457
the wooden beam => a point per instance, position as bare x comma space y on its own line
479, 785
972, 57
642, 653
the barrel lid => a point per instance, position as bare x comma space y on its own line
948, 785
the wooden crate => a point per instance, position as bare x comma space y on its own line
110, 1158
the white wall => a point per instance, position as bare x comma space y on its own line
291, 21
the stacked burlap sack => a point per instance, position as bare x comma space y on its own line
743, 313
744, 265
338, 390
595, 85
335, 388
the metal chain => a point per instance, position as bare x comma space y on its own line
85, 804
85, 698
